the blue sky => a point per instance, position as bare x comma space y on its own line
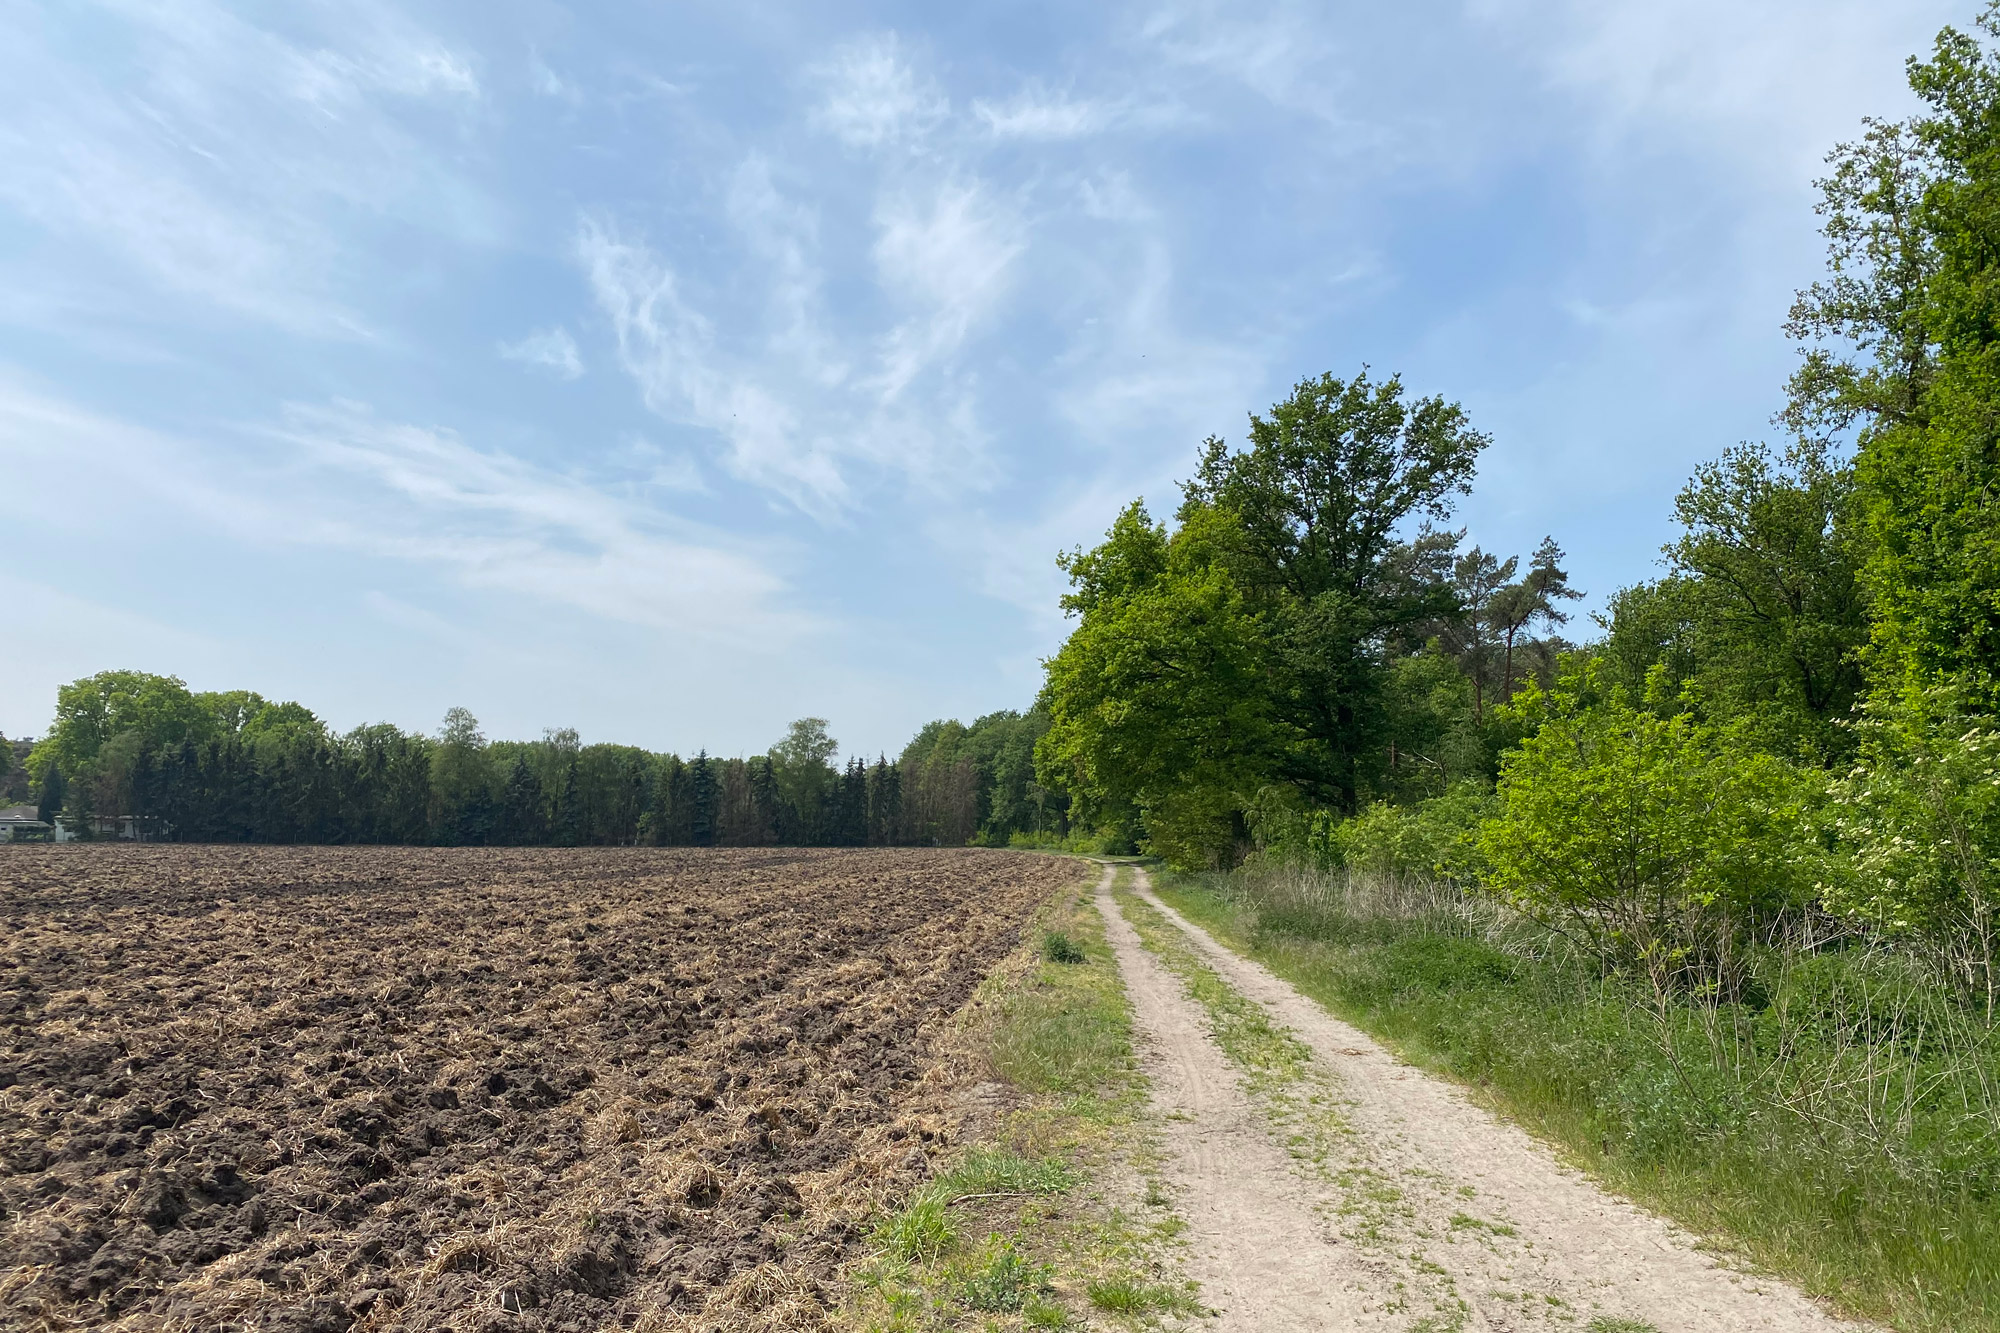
670, 371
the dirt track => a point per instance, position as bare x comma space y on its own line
329, 1089
1424, 1211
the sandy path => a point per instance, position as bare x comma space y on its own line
1482, 1229
1254, 1242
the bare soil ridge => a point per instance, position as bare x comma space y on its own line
1432, 1212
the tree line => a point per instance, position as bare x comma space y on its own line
232, 766
1798, 720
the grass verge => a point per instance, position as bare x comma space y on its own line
1892, 1227
1056, 1218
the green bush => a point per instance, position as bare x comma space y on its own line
1655, 843
1437, 838
1921, 820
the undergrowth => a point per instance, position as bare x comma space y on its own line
1839, 1126
1030, 1230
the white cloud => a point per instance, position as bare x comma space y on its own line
345, 480
949, 250
873, 98
1278, 49
669, 348
205, 157
553, 349
792, 418
510, 525
1037, 114
1767, 85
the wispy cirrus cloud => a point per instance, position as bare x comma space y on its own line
209, 173
552, 349
948, 249
335, 476
872, 96
797, 412
1038, 114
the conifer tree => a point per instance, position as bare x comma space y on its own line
764, 796
703, 793
523, 821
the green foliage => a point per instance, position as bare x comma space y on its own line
1156, 702
1656, 842
1310, 521
1438, 838
1440, 733
98, 709
923, 1230
1005, 1281
1128, 1295
1060, 948
1903, 352
991, 1170
1921, 818
1256, 644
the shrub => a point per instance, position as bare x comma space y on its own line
1437, 838
1921, 819
1657, 843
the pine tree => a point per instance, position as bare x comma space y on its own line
569, 808
703, 794
524, 823
764, 797
885, 803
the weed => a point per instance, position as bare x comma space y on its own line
1006, 1281
987, 1170
1605, 1323
1058, 947
1044, 1314
1124, 1295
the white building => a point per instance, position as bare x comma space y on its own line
24, 822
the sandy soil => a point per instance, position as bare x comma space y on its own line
1417, 1209
1255, 1244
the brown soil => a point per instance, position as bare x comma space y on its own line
370, 1088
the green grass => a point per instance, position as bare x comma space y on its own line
1058, 947
1129, 1296
1004, 1281
1059, 1030
1852, 1162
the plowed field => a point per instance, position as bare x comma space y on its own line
370, 1088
